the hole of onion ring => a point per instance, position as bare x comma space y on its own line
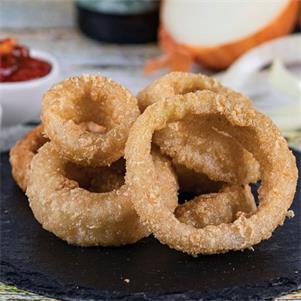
186, 90
96, 111
192, 184
39, 143
181, 90
254, 189
217, 123
93, 127
99, 180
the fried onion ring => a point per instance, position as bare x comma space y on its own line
217, 208
22, 152
195, 143
107, 108
180, 83
257, 134
64, 205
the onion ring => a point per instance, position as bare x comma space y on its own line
64, 205
89, 99
217, 208
195, 143
258, 135
22, 152
180, 83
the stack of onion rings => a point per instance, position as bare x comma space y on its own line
80, 189
84, 201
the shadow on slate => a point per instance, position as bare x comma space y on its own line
35, 260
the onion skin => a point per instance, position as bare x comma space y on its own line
222, 56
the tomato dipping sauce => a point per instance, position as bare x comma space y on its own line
17, 65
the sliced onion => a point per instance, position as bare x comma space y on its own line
275, 92
216, 33
283, 80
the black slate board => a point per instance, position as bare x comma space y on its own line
36, 260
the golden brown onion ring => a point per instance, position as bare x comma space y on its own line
257, 134
108, 110
195, 143
22, 152
60, 200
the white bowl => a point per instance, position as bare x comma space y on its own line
21, 101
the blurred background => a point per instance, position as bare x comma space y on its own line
251, 46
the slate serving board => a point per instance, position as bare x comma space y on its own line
36, 260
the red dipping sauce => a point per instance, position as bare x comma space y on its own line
17, 65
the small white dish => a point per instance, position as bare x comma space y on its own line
21, 101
